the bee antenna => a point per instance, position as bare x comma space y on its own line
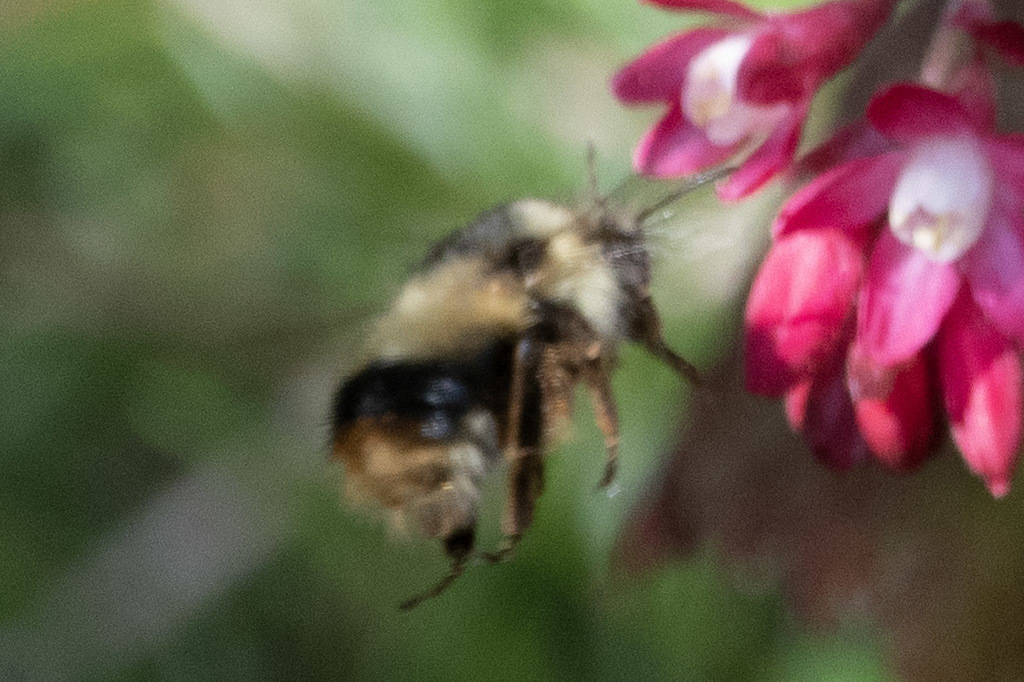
688, 186
592, 186
457, 567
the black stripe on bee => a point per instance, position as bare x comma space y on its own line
437, 394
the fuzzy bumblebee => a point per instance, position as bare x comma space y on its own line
477, 361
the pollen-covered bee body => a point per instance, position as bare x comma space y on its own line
478, 359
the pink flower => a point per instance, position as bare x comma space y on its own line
919, 251
741, 89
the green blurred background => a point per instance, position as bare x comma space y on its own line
202, 205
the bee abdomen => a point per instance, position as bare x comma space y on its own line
419, 436
434, 394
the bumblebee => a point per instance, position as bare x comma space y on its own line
478, 359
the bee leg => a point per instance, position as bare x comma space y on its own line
647, 331
526, 480
458, 546
606, 414
525, 474
521, 360
557, 381
437, 590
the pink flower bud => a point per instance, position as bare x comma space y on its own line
797, 306
827, 420
893, 406
982, 387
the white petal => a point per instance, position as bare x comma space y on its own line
709, 99
942, 198
711, 80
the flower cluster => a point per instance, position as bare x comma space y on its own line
896, 283
892, 297
743, 88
